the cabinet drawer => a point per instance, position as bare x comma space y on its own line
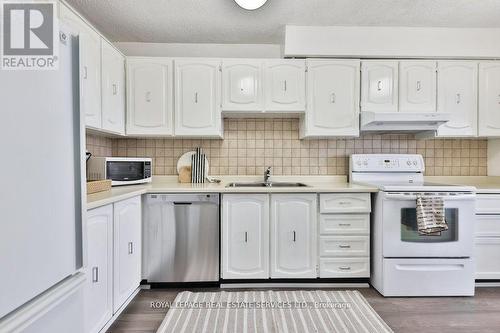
487, 225
488, 204
344, 246
487, 253
345, 203
344, 267
351, 224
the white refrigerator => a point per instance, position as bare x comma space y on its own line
42, 193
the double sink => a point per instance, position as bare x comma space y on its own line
267, 184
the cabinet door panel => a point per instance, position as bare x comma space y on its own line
379, 91
245, 236
457, 87
90, 67
127, 249
242, 85
487, 255
489, 99
417, 86
150, 98
333, 99
293, 236
284, 85
99, 272
113, 89
197, 102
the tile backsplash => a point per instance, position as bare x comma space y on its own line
250, 145
99, 145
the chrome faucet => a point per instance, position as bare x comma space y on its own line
267, 175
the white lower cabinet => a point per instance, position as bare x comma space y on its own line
293, 235
487, 246
245, 236
127, 249
113, 270
99, 273
344, 235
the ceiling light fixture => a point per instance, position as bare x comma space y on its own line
250, 4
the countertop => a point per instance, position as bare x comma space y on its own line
169, 184
317, 184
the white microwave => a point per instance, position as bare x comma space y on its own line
121, 170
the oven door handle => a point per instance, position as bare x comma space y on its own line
403, 197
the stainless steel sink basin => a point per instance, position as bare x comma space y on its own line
269, 184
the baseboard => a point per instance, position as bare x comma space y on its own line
292, 285
120, 310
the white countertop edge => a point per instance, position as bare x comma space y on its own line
169, 184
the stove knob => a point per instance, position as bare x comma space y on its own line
408, 162
365, 162
415, 162
358, 163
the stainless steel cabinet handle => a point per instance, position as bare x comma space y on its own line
498, 98
294, 236
419, 86
344, 202
196, 97
148, 96
345, 246
379, 85
130, 248
345, 268
344, 224
85, 72
246, 237
333, 98
458, 98
115, 89
95, 274
284, 85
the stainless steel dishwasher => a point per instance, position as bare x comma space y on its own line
181, 238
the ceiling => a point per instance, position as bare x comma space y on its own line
222, 21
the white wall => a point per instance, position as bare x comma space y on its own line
391, 42
493, 157
200, 50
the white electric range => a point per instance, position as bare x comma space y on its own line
405, 263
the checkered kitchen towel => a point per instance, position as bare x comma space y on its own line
430, 215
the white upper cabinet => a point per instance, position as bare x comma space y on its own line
127, 249
457, 95
99, 271
417, 86
113, 89
149, 96
379, 91
90, 67
242, 85
284, 85
245, 236
332, 99
489, 99
197, 98
293, 235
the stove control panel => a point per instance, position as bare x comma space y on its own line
387, 163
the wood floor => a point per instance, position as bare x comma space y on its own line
438, 315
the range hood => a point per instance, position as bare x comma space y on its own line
427, 123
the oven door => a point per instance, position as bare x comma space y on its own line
400, 233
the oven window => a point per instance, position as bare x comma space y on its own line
409, 230
122, 171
